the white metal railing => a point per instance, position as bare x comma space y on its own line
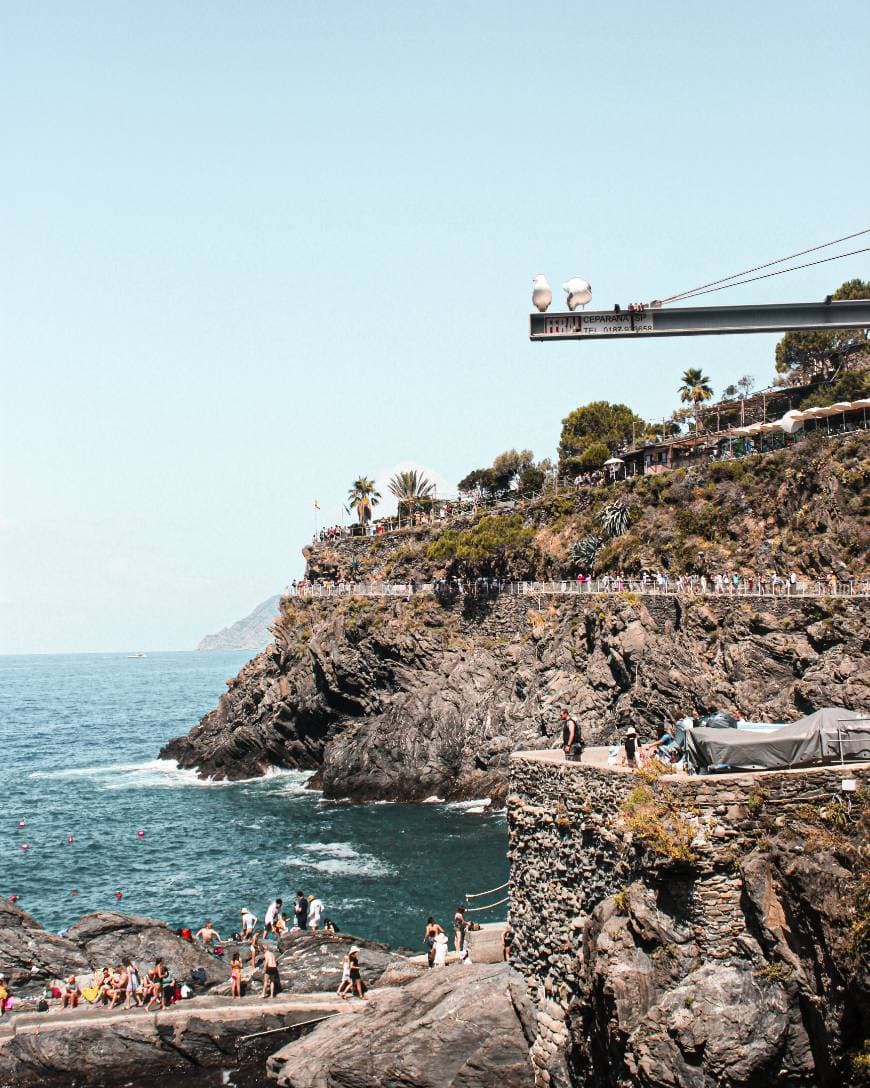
685, 586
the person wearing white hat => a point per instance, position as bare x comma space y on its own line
248, 922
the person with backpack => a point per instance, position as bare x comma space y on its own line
572, 739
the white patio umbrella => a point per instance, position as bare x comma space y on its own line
614, 461
792, 421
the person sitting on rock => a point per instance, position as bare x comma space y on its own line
661, 746
71, 994
158, 976
4, 994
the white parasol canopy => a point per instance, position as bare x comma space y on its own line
792, 421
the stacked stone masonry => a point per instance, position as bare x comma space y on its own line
569, 851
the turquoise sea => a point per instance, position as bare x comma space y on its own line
79, 736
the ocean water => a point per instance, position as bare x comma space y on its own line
79, 735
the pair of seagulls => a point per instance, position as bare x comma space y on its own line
579, 292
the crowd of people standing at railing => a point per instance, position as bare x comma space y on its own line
727, 583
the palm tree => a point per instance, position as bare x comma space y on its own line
363, 498
409, 487
695, 388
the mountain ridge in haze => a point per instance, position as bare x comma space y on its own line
250, 633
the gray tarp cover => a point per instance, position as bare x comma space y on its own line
823, 737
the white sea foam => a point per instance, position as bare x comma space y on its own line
330, 849
433, 800
480, 804
166, 774
356, 865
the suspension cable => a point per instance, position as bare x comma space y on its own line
769, 264
768, 275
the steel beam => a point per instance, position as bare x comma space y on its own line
700, 320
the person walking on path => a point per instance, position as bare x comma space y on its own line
572, 740
344, 987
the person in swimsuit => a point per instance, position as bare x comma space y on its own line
158, 976
71, 994
208, 934
256, 949
460, 926
355, 974
236, 975
270, 972
432, 931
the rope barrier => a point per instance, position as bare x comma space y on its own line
477, 895
471, 910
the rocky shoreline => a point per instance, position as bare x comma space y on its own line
460, 1025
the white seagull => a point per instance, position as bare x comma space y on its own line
542, 294
579, 292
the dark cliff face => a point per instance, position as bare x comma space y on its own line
790, 1007
403, 700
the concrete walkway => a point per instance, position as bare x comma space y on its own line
292, 1007
597, 757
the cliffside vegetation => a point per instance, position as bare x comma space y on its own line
803, 508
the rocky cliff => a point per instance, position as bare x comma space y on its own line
404, 699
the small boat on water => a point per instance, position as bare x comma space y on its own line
135, 655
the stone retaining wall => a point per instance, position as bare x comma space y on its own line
569, 850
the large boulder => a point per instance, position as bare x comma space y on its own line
455, 1027
29, 955
107, 938
311, 962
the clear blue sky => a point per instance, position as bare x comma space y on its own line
250, 251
